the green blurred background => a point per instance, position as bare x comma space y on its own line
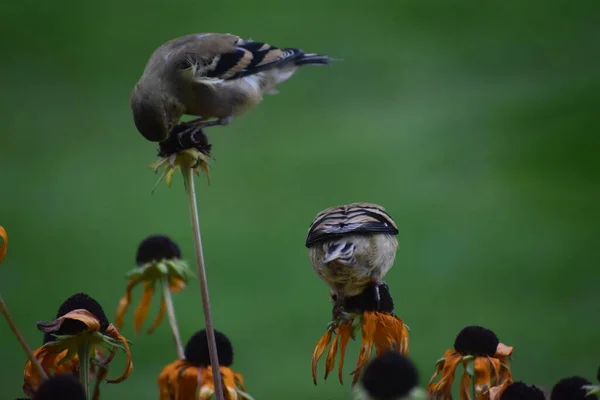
475, 126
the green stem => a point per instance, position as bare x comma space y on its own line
83, 351
171, 313
188, 178
21, 339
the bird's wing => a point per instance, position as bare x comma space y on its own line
352, 218
217, 58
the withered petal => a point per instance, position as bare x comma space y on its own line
503, 350
464, 389
159, 317
330, 360
124, 303
4, 245
84, 316
345, 332
369, 327
114, 333
318, 352
144, 306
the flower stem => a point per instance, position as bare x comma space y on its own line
188, 178
171, 313
21, 339
83, 351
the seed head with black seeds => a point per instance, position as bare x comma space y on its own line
196, 349
476, 341
80, 301
389, 376
156, 248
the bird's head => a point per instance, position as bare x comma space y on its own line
154, 112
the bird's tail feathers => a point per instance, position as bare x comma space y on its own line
340, 251
313, 59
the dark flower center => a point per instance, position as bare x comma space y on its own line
367, 300
181, 138
196, 349
62, 386
521, 391
571, 389
389, 376
156, 248
80, 301
476, 341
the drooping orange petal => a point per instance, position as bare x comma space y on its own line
186, 383
495, 365
164, 379
503, 350
369, 327
84, 316
52, 363
344, 331
4, 245
318, 352
495, 392
142, 309
391, 334
114, 333
229, 382
176, 284
465, 383
159, 316
483, 377
124, 303
443, 387
239, 380
330, 360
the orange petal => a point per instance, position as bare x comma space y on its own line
186, 383
391, 334
124, 303
176, 285
164, 379
114, 333
330, 360
345, 331
495, 392
142, 310
31, 378
84, 316
464, 389
483, 377
503, 350
369, 327
159, 316
239, 380
495, 365
206, 382
4, 245
318, 352
442, 389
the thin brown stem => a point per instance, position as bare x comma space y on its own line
171, 313
188, 177
21, 339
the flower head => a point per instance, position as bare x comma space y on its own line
158, 259
378, 325
390, 376
80, 321
183, 150
182, 379
521, 391
61, 386
572, 388
3, 243
485, 361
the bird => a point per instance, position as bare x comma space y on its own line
352, 247
213, 76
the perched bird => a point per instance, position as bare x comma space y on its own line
352, 247
213, 76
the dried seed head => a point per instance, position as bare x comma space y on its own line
61, 386
367, 300
156, 248
196, 349
389, 376
476, 341
521, 391
80, 301
571, 389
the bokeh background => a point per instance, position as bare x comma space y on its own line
474, 124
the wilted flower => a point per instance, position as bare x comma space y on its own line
572, 388
521, 391
4, 243
183, 379
379, 327
81, 324
485, 360
158, 259
390, 376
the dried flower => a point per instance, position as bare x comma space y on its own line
182, 379
572, 388
485, 360
521, 391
